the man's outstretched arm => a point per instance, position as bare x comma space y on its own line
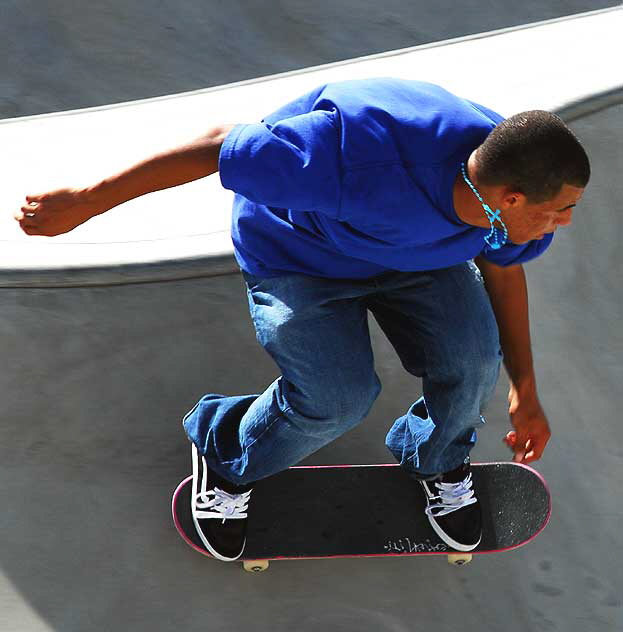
508, 292
60, 211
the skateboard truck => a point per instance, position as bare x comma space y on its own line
258, 566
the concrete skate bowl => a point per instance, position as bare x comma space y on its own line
65, 55
108, 339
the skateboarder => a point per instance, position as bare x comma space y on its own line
382, 195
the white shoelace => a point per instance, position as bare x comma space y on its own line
219, 503
452, 496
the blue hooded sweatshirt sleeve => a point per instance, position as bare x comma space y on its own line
292, 164
513, 254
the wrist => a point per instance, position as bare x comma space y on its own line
98, 197
524, 388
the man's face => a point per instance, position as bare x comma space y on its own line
526, 221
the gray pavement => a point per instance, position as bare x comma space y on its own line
91, 450
65, 54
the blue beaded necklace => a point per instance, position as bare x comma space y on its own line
492, 216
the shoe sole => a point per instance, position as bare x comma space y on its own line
465, 548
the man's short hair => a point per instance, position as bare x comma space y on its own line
534, 153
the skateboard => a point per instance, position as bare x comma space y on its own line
312, 512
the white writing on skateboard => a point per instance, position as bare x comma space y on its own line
406, 545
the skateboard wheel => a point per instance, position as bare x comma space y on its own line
459, 559
255, 566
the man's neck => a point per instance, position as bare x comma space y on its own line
466, 204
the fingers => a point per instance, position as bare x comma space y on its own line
29, 226
515, 445
534, 451
28, 210
34, 202
27, 215
526, 449
521, 454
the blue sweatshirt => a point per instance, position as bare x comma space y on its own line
356, 178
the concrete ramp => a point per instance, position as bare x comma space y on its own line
111, 333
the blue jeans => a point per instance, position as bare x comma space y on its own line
443, 328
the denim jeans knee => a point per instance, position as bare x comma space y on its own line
330, 410
322, 346
462, 364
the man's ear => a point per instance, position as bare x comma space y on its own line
512, 199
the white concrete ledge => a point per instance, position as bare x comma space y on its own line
564, 65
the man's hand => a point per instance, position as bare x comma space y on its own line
62, 210
57, 212
532, 432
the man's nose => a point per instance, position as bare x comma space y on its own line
565, 218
